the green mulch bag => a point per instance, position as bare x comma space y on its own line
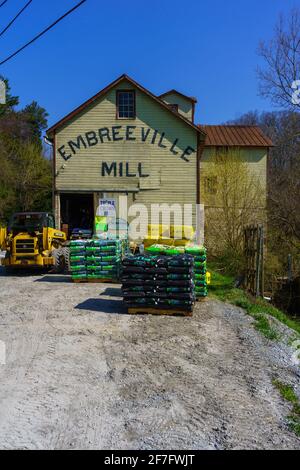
77, 250
93, 259
200, 259
94, 268
108, 267
197, 250
74, 243
110, 249
76, 259
198, 276
175, 250
79, 267
201, 292
79, 276
111, 259
100, 275
200, 264
157, 249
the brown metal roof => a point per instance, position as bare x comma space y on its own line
239, 136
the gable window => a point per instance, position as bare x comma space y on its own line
125, 104
174, 107
210, 185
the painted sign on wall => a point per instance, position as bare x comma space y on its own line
107, 207
123, 133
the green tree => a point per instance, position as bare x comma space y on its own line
36, 117
26, 175
11, 101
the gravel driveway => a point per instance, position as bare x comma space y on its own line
80, 373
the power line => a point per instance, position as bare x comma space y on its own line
42, 32
3, 3
14, 19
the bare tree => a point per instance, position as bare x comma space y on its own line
280, 77
233, 198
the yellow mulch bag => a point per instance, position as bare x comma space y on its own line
181, 232
181, 242
157, 231
160, 241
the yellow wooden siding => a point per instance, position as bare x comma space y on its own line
171, 178
185, 106
256, 159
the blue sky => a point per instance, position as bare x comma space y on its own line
203, 48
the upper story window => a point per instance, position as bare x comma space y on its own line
210, 185
125, 104
174, 107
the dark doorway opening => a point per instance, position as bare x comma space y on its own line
77, 211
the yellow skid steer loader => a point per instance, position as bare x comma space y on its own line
32, 240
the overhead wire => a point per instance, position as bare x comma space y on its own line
42, 32
15, 18
3, 3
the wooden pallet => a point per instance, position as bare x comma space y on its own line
96, 281
158, 311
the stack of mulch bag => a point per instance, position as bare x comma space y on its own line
200, 280
162, 282
78, 259
198, 252
103, 259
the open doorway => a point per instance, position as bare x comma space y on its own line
77, 211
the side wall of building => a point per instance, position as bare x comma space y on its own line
256, 159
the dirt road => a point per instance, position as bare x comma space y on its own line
80, 373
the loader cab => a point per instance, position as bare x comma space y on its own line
30, 222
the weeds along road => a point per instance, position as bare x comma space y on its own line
80, 373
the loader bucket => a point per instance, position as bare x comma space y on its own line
3, 234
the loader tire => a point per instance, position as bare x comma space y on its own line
66, 253
59, 261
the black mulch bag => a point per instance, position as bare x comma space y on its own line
178, 277
142, 302
133, 288
127, 294
181, 260
180, 269
156, 270
178, 283
180, 289
157, 295
133, 282
156, 282
182, 296
133, 269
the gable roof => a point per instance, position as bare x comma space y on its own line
105, 90
235, 136
189, 98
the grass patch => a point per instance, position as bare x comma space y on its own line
222, 287
287, 392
